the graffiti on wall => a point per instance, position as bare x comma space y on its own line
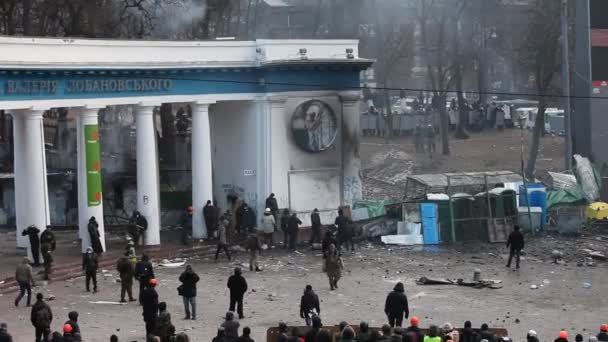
235, 190
353, 189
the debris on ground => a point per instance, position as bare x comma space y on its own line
105, 302
172, 263
484, 283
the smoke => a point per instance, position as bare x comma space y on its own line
177, 16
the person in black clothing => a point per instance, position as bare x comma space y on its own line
516, 244
248, 219
293, 226
210, 217
149, 299
315, 222
188, 291
73, 321
90, 265
32, 233
41, 318
4, 335
238, 286
485, 334
309, 305
531, 336
271, 203
413, 332
317, 325
143, 272
603, 335
468, 334
563, 336
345, 233
396, 306
328, 240
246, 337
284, 227
137, 226
93, 228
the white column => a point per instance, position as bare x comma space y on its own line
264, 162
20, 206
202, 177
31, 180
352, 187
90, 199
148, 203
279, 153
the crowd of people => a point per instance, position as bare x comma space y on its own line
158, 321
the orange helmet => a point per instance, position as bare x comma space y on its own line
153, 281
563, 334
414, 321
67, 328
604, 327
190, 209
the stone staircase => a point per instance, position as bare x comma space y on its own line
108, 261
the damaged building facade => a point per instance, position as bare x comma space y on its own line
102, 128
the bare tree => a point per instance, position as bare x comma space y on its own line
540, 55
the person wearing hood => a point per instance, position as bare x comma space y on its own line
413, 332
25, 279
396, 306
150, 306
315, 223
485, 334
4, 335
231, 327
333, 266
468, 334
309, 305
41, 318
137, 226
210, 217
246, 219
221, 336
73, 321
271, 203
143, 272
32, 233
238, 286
90, 263
93, 228
345, 231
563, 336
603, 335
449, 331
189, 278
268, 227
293, 227
125, 269
222, 241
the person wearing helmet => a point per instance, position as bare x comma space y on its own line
150, 306
137, 226
531, 336
185, 224
143, 272
603, 335
32, 233
90, 264
563, 336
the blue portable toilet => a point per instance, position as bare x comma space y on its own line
430, 228
537, 197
